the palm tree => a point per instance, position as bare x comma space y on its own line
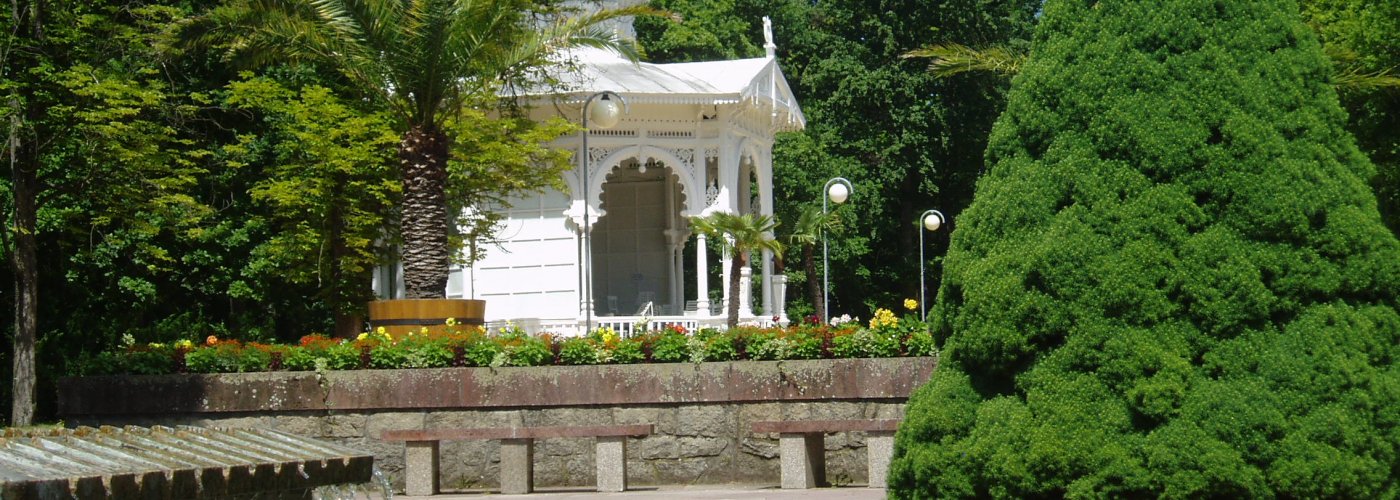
811, 223
423, 59
740, 235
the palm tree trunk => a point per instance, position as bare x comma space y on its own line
737, 261
814, 291
423, 165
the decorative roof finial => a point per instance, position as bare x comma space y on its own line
768, 45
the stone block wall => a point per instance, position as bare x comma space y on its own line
701, 414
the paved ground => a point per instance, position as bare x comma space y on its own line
706, 492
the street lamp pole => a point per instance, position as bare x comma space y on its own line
838, 189
930, 220
606, 116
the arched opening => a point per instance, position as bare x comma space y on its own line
637, 245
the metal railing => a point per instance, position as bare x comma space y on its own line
625, 326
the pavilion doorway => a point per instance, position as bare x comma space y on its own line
638, 243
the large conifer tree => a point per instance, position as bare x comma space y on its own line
1173, 279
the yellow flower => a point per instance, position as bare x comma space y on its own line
911, 304
382, 331
883, 317
184, 344
451, 321
362, 336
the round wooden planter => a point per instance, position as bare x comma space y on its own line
401, 316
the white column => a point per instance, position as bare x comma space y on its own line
772, 297
780, 298
767, 288
726, 260
702, 278
678, 284
745, 290
582, 276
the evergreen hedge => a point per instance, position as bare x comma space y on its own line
1173, 280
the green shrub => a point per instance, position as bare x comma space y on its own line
670, 347
427, 355
511, 347
523, 350
716, 345
1172, 281
387, 356
228, 357
577, 351
482, 352
298, 358
920, 344
628, 351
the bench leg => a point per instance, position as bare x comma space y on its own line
879, 449
517, 466
610, 452
420, 468
803, 458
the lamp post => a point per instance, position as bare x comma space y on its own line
931, 220
605, 116
838, 189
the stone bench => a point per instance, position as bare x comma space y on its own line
517, 453
802, 448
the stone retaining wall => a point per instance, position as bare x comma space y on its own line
701, 412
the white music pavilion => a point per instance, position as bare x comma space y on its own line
697, 138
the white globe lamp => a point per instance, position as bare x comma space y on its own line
932, 222
838, 193
605, 113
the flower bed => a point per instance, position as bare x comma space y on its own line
461, 346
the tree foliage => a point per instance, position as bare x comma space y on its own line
1360, 38
1173, 279
424, 60
102, 168
907, 140
327, 187
177, 204
495, 160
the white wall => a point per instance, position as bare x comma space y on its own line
532, 272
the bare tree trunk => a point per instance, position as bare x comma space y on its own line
343, 295
25, 186
423, 165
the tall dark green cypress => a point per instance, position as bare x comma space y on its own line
1173, 279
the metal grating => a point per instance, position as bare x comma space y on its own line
164, 462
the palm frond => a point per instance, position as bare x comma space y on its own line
373, 22
740, 233
1352, 78
948, 59
260, 32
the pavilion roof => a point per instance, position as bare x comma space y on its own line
757, 83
